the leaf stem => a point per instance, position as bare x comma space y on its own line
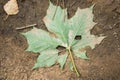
73, 62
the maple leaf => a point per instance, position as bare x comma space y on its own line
65, 31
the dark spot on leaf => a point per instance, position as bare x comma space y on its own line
60, 48
78, 37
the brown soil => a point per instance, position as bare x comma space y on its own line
16, 63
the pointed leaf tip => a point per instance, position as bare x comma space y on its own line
91, 7
46, 59
22, 34
82, 55
71, 66
62, 60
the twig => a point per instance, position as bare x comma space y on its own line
64, 10
63, 3
73, 4
24, 27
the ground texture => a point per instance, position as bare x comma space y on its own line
16, 64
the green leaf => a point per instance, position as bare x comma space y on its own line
64, 30
81, 24
47, 59
87, 40
55, 22
81, 55
39, 40
62, 60
71, 65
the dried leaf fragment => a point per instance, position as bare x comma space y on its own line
11, 7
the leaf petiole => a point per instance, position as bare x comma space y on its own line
73, 62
